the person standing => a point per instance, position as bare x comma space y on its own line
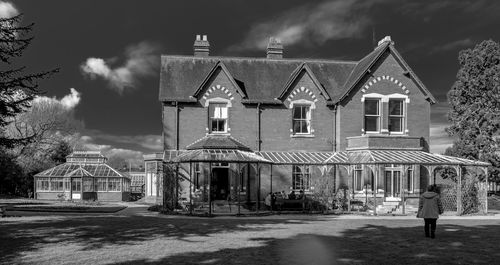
429, 208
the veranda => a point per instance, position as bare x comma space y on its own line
242, 179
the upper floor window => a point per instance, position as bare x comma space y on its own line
396, 115
301, 177
301, 119
218, 114
372, 115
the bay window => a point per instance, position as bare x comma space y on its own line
372, 115
396, 115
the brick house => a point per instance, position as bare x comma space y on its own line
362, 126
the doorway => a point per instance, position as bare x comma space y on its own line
220, 183
392, 182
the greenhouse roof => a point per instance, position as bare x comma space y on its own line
78, 170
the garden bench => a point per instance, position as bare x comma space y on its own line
293, 205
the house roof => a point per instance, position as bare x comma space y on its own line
261, 79
218, 142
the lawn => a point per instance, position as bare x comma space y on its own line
23, 204
115, 239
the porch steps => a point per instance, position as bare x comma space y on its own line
395, 206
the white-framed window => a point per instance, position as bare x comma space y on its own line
100, 184
56, 184
114, 184
410, 180
396, 115
218, 117
301, 119
301, 177
42, 184
372, 115
197, 175
358, 177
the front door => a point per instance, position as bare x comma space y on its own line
76, 188
392, 183
220, 183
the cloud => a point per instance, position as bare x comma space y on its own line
149, 142
7, 10
69, 101
140, 60
113, 153
311, 24
452, 46
439, 139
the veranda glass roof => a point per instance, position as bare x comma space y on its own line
407, 157
310, 158
218, 155
318, 158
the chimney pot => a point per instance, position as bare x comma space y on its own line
201, 46
274, 48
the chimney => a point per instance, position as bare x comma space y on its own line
201, 46
274, 48
384, 40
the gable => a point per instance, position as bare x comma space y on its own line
302, 72
365, 70
218, 70
219, 87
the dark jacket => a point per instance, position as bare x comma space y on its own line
429, 205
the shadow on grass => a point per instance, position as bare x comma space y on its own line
94, 232
369, 244
322, 241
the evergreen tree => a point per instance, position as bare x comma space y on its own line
475, 106
17, 88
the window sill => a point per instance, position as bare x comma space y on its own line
219, 133
302, 135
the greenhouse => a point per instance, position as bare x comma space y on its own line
84, 176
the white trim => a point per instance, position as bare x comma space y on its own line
218, 100
302, 102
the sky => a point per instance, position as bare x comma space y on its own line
108, 51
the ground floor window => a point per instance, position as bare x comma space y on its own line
100, 184
301, 177
114, 184
197, 175
76, 185
87, 184
56, 184
42, 184
411, 180
126, 185
358, 178
67, 184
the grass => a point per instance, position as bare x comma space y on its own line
295, 239
23, 204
